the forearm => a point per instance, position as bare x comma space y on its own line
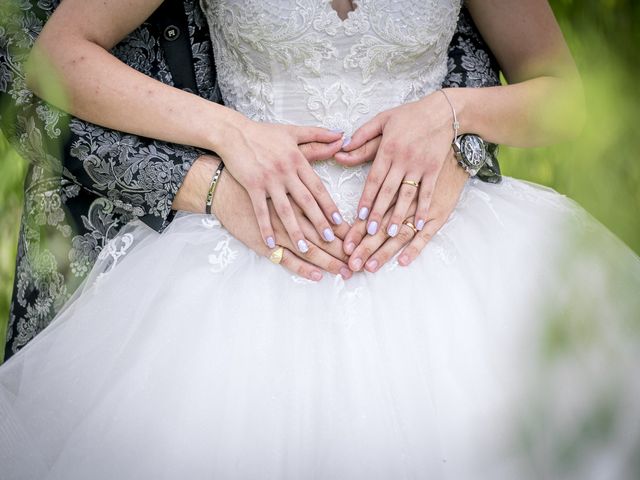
101, 89
532, 113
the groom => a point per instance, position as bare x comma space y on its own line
85, 182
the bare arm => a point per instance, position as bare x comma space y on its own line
543, 102
264, 158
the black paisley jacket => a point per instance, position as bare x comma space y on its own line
85, 182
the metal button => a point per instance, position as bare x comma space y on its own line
171, 33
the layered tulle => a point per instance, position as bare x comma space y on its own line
186, 355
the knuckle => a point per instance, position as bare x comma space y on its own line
302, 270
405, 235
390, 147
408, 193
373, 179
388, 190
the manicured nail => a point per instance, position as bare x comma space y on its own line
363, 214
372, 264
420, 225
336, 217
345, 272
350, 248
372, 228
346, 141
271, 243
336, 130
303, 246
328, 235
404, 260
357, 263
392, 230
316, 276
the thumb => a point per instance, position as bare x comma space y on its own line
366, 132
317, 151
315, 134
366, 153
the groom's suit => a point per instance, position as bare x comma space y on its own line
84, 182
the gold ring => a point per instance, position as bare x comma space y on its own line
411, 226
276, 255
411, 182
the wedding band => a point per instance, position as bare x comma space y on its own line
411, 182
276, 255
411, 226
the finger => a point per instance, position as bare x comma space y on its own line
322, 259
425, 196
387, 192
406, 195
261, 210
300, 267
376, 176
317, 151
320, 195
411, 252
354, 236
366, 153
389, 248
366, 248
285, 211
305, 200
315, 134
366, 132
309, 231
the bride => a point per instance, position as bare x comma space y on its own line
187, 355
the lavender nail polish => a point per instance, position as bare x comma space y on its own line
347, 141
336, 130
372, 228
328, 235
392, 230
336, 217
420, 225
271, 243
303, 246
363, 213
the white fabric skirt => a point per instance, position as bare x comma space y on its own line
186, 355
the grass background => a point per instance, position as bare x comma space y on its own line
601, 170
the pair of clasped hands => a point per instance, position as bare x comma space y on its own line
294, 210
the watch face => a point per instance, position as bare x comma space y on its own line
473, 150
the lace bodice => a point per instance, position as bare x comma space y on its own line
297, 62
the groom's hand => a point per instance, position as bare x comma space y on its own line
371, 252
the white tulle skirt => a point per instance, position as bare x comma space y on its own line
186, 355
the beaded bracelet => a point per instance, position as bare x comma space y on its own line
212, 187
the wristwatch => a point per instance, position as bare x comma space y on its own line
471, 153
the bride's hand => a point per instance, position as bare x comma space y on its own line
373, 251
416, 138
266, 160
232, 206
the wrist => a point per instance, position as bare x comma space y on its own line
228, 130
192, 195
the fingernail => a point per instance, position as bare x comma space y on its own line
404, 260
363, 214
271, 243
420, 225
316, 276
345, 272
393, 230
336, 217
350, 248
372, 264
347, 141
302, 246
372, 228
336, 130
357, 263
328, 235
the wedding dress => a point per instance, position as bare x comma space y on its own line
186, 355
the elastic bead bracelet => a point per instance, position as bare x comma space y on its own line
212, 187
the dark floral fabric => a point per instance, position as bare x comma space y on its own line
85, 182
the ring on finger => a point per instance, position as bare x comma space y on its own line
411, 226
277, 255
413, 183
